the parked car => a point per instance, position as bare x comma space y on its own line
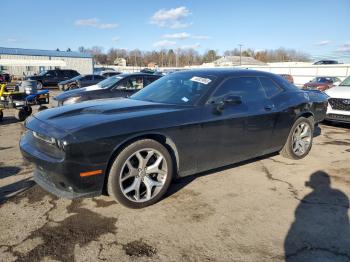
5, 77
181, 124
288, 77
110, 73
339, 102
80, 81
99, 70
326, 62
322, 83
115, 86
53, 77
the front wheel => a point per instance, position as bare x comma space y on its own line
299, 141
141, 174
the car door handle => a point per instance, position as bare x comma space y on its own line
269, 107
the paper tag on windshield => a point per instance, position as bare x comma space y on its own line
201, 80
185, 99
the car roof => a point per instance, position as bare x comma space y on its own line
135, 74
223, 73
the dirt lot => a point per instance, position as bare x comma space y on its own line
255, 211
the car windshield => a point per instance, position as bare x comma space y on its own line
109, 82
179, 88
346, 82
77, 77
42, 73
322, 80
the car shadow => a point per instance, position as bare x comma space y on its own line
9, 120
14, 188
181, 182
336, 124
6, 171
320, 231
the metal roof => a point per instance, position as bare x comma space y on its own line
36, 52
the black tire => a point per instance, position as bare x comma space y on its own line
1, 115
39, 85
287, 150
21, 114
113, 184
41, 108
28, 110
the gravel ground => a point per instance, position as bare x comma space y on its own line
261, 210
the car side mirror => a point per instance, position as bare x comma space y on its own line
228, 100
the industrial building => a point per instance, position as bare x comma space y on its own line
22, 62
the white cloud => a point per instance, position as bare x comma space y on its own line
172, 18
201, 37
94, 22
193, 46
164, 43
177, 36
345, 48
323, 43
11, 40
115, 39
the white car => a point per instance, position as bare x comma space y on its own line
339, 102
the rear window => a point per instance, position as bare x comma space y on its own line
270, 87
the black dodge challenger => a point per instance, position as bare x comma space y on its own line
179, 125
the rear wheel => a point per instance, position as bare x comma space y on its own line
299, 140
141, 174
1, 115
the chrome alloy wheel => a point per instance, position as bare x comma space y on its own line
143, 175
301, 139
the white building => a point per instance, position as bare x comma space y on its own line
19, 62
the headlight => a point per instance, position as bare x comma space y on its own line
50, 140
70, 101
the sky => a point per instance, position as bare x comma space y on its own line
320, 28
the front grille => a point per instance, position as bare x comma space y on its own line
340, 104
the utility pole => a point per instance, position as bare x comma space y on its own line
240, 54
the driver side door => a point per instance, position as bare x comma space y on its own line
238, 131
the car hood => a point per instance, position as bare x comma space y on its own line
66, 82
339, 92
93, 113
76, 92
33, 77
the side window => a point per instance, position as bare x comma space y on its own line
131, 83
270, 87
148, 79
248, 88
98, 77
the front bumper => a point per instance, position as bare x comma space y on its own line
59, 175
337, 115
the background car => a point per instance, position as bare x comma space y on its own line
339, 102
107, 74
52, 77
80, 81
5, 77
326, 62
321, 83
122, 85
288, 77
181, 124
99, 70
